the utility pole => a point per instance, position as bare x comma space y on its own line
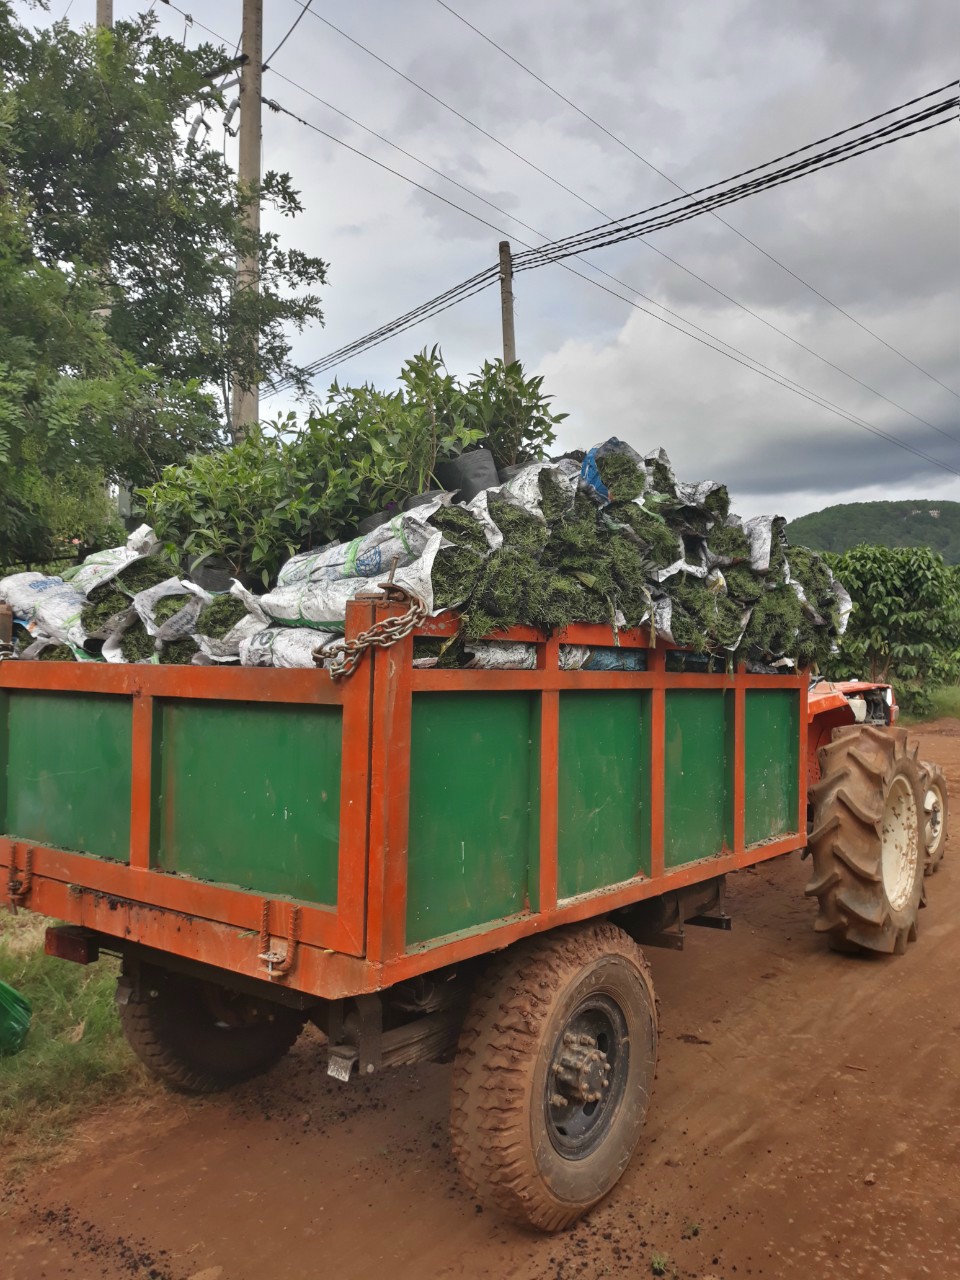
245, 402
124, 491
506, 303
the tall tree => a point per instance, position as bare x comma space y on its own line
113, 179
120, 327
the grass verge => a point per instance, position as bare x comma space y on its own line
946, 702
75, 1056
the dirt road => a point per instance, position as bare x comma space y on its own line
806, 1122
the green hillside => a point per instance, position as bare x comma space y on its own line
916, 523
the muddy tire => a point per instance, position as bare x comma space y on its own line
867, 841
935, 812
199, 1038
553, 1073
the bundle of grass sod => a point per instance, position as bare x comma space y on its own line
218, 618
137, 645
112, 598
623, 557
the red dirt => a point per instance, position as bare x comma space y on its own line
805, 1122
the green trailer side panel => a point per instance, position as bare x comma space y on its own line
250, 796
604, 788
474, 783
772, 747
698, 772
68, 771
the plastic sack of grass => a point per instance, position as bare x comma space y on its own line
766, 537
170, 610
612, 658
283, 646
131, 642
15, 1014
660, 474
469, 537
509, 655
313, 588
727, 544
101, 566
46, 649
226, 620
53, 605
613, 472
545, 489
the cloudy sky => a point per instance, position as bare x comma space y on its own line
701, 89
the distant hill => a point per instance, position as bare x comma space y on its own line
916, 523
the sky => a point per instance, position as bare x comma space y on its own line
701, 89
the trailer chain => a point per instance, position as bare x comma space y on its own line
347, 654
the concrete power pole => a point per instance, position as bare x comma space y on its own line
506, 303
245, 403
124, 491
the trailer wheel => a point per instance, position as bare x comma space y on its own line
198, 1037
553, 1073
867, 841
934, 815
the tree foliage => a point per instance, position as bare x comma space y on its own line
120, 325
905, 622
917, 523
112, 181
296, 485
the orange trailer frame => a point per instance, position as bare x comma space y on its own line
359, 947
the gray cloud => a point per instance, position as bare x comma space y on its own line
702, 89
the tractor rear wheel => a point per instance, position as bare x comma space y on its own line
934, 815
198, 1037
553, 1073
867, 840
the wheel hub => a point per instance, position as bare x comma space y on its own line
900, 843
581, 1070
933, 812
586, 1077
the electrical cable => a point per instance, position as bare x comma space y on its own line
593, 266
486, 279
304, 7
296, 22
650, 165
459, 293
642, 224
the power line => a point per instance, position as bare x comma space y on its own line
644, 222
305, 7
340, 355
296, 22
275, 106
650, 165
484, 280
593, 266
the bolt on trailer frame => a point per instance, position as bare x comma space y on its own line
335, 838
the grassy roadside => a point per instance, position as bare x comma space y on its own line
75, 1056
946, 702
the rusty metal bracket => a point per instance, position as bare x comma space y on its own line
278, 964
19, 886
